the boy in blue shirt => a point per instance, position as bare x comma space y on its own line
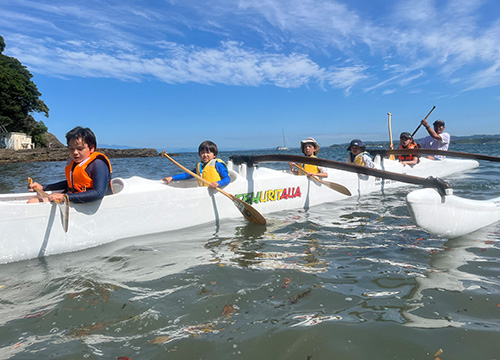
210, 168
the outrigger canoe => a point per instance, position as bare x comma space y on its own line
451, 216
141, 206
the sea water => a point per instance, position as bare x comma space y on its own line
353, 279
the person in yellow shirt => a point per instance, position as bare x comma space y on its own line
310, 147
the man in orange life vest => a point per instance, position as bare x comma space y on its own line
88, 172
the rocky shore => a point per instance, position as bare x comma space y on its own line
61, 154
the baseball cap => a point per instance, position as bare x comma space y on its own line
356, 142
405, 134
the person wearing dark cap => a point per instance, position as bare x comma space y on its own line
310, 147
407, 142
437, 139
358, 155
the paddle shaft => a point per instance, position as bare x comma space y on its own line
418, 127
390, 134
247, 210
40, 192
64, 211
334, 186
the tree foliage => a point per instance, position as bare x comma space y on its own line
19, 97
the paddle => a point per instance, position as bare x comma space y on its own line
391, 157
334, 186
418, 127
418, 151
410, 179
62, 205
247, 210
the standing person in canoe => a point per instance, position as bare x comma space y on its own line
437, 139
209, 167
88, 172
309, 147
358, 154
407, 142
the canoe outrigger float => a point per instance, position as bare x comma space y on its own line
450, 216
443, 214
140, 206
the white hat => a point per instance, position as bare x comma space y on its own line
310, 141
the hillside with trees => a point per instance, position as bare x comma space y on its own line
19, 98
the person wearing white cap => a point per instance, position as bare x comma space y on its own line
310, 147
437, 139
358, 155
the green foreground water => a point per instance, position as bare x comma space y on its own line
348, 280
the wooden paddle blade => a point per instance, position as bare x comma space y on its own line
338, 187
64, 209
248, 211
334, 186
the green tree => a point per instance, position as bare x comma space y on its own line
19, 97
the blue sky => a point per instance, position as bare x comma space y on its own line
170, 74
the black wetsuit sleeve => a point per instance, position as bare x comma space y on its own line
99, 172
61, 185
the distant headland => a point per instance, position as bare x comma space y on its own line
61, 154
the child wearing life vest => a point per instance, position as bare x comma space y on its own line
209, 167
358, 155
88, 172
309, 147
407, 142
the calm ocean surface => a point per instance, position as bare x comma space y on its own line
348, 280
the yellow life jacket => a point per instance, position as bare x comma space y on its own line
311, 168
358, 160
209, 172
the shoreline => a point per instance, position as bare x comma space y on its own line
8, 156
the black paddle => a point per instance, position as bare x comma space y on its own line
418, 127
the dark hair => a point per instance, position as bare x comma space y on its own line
85, 134
209, 146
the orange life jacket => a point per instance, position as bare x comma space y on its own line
407, 157
77, 178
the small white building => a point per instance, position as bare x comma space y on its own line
14, 140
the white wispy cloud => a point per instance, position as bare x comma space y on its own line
259, 42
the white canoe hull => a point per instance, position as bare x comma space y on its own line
451, 216
140, 206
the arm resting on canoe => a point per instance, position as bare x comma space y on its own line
99, 172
